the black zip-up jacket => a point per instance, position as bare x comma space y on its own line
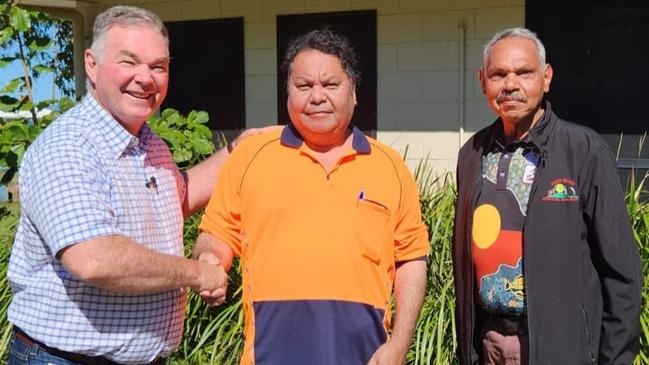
582, 267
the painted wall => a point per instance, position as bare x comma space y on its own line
419, 61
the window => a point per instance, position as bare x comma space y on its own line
207, 70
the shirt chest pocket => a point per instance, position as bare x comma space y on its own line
372, 228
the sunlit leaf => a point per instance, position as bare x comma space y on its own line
40, 44
12, 85
45, 103
27, 105
181, 155
65, 104
16, 130
172, 135
6, 34
175, 119
19, 19
201, 146
5, 61
19, 150
168, 112
203, 131
191, 116
8, 103
44, 69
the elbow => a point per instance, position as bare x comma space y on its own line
84, 266
88, 271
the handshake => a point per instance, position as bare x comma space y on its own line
212, 280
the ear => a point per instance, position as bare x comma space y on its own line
482, 78
90, 60
547, 77
354, 94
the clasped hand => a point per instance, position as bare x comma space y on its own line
214, 280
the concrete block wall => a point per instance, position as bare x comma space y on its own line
418, 62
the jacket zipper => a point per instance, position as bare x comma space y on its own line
535, 186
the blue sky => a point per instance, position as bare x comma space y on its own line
43, 85
42, 88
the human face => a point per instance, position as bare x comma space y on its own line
514, 81
321, 98
130, 73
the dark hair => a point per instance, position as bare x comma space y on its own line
325, 41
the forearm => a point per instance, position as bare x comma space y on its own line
200, 181
409, 291
117, 264
209, 244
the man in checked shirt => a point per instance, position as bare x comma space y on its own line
97, 267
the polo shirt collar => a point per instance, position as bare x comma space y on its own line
118, 139
292, 138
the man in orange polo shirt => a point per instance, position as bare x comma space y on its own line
327, 224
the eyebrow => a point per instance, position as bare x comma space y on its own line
135, 57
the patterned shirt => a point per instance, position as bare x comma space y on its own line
508, 173
87, 177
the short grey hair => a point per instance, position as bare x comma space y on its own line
510, 33
122, 15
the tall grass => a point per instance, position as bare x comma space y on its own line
212, 335
9, 213
435, 337
639, 213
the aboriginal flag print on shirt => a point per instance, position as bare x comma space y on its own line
497, 241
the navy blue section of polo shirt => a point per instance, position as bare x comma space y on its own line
316, 332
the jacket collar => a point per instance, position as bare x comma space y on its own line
539, 134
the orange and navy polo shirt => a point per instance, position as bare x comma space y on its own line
318, 249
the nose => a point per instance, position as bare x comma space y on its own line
511, 81
317, 95
144, 75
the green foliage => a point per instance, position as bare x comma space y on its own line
188, 138
435, 337
17, 135
639, 213
40, 43
9, 213
24, 39
215, 335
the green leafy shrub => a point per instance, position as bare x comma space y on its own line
16, 135
189, 140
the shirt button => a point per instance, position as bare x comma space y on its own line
505, 156
502, 174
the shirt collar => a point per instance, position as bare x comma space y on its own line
497, 140
117, 138
292, 138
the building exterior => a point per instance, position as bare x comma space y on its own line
424, 82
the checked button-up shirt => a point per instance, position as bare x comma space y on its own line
86, 177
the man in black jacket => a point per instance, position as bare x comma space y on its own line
546, 267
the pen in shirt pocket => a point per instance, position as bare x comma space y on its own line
361, 196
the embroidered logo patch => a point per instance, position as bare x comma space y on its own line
563, 190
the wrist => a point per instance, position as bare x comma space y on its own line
399, 344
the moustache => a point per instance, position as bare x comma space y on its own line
515, 96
